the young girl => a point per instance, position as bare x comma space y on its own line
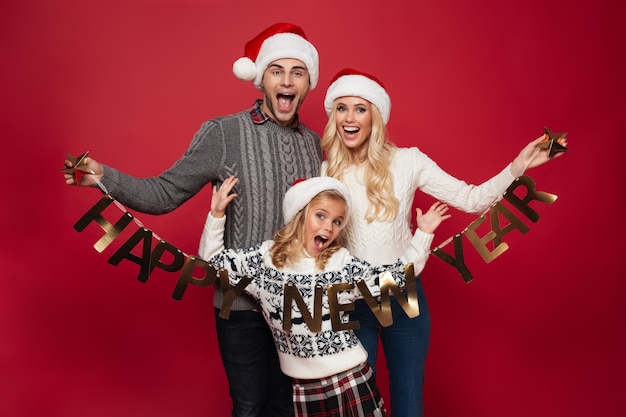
329, 366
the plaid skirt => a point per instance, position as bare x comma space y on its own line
352, 393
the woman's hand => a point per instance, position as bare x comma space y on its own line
532, 156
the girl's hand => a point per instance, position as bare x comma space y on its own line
430, 220
222, 196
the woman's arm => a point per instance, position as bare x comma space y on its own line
471, 198
427, 223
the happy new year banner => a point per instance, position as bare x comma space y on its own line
504, 217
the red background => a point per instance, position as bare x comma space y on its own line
540, 331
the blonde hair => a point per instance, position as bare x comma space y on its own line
289, 240
377, 176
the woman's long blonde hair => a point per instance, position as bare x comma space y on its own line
289, 240
377, 176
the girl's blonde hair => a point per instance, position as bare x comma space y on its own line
377, 176
289, 240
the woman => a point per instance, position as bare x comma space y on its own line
382, 180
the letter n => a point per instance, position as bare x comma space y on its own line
292, 294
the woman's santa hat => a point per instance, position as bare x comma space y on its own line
350, 82
303, 191
279, 41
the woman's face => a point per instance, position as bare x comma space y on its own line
353, 120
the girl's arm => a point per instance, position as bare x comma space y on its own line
212, 239
237, 262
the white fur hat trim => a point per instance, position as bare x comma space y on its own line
359, 86
300, 194
287, 45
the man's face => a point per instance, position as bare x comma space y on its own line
285, 85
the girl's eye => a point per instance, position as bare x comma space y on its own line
320, 215
337, 222
341, 108
361, 110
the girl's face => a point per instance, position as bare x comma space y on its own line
353, 120
324, 220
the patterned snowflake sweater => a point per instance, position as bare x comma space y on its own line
305, 354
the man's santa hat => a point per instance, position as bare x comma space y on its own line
279, 41
350, 82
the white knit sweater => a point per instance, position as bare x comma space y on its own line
302, 353
381, 242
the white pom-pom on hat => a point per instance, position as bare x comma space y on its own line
279, 41
244, 69
353, 83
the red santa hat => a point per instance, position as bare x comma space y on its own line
279, 41
303, 191
350, 82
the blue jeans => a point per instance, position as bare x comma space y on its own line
405, 343
257, 386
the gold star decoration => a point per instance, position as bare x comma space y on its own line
552, 143
78, 168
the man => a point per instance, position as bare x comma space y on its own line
267, 148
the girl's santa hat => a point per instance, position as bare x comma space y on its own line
279, 41
302, 192
350, 82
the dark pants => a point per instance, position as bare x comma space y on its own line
257, 386
405, 343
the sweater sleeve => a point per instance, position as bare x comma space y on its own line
469, 198
199, 165
418, 251
212, 239
238, 262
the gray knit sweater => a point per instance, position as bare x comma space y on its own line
265, 157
